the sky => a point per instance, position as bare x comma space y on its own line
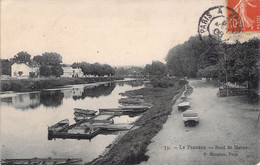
115, 32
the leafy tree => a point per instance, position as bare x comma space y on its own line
108, 70
94, 69
5, 66
184, 59
86, 68
241, 62
56, 71
45, 71
98, 69
22, 57
237, 62
157, 68
51, 58
39, 60
209, 72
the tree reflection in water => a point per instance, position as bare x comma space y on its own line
135, 83
97, 91
51, 98
54, 98
23, 101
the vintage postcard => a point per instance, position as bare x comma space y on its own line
148, 82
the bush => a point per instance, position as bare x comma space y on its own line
163, 82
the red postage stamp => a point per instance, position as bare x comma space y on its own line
249, 12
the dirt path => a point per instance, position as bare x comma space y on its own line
224, 122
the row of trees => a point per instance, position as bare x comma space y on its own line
237, 62
50, 64
96, 69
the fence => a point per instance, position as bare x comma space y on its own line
233, 92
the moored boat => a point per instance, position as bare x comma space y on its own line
137, 107
184, 105
131, 101
60, 125
85, 111
126, 109
79, 118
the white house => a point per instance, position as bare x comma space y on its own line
77, 72
23, 71
72, 72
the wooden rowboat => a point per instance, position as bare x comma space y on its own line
60, 125
184, 105
131, 101
79, 118
85, 111
134, 109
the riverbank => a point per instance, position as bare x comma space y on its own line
28, 85
131, 147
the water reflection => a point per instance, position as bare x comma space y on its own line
51, 98
54, 98
97, 91
25, 101
132, 83
38, 110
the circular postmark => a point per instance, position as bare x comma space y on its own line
218, 22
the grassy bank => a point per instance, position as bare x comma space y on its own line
25, 85
131, 148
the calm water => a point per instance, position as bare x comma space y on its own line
25, 117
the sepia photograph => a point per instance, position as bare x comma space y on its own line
130, 82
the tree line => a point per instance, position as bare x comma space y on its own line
50, 64
238, 62
96, 69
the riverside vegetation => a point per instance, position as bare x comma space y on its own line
26, 85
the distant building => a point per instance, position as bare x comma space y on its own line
77, 72
23, 71
72, 72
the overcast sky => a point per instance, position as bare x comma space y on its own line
116, 32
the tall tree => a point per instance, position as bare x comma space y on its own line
45, 71
51, 58
157, 68
5, 66
39, 60
22, 57
56, 71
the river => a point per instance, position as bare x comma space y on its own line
25, 118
